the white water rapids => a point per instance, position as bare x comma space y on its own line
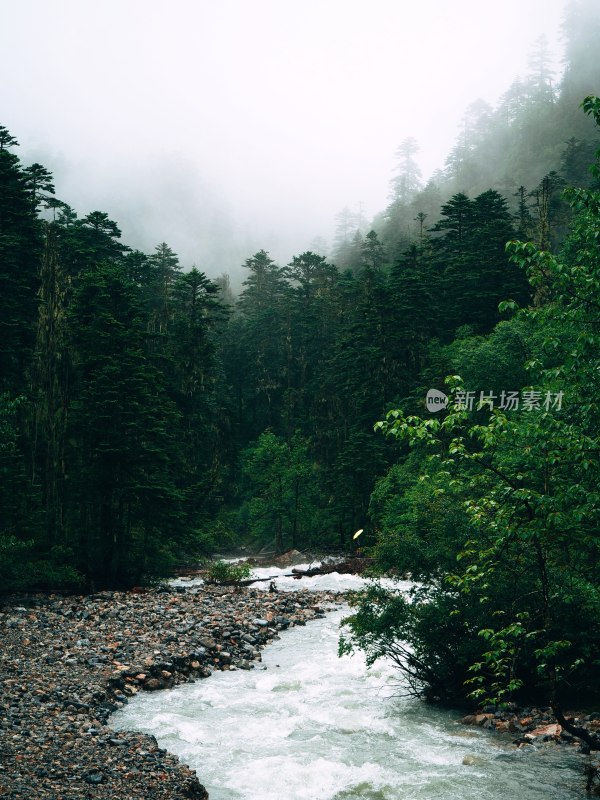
307, 725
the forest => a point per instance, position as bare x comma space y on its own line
149, 417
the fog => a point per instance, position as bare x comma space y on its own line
224, 127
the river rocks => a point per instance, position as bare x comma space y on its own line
532, 727
94, 778
481, 720
66, 663
547, 732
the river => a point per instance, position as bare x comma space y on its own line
307, 725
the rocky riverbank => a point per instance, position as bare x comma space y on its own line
534, 727
66, 663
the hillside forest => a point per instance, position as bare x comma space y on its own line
149, 417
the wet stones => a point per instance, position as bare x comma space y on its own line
528, 726
94, 778
152, 684
66, 663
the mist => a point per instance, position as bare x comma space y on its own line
225, 128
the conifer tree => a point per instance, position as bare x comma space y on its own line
196, 385
125, 511
260, 368
20, 249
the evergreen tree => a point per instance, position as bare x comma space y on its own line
196, 385
548, 210
361, 349
166, 268
259, 368
38, 181
541, 73
575, 160
90, 241
311, 309
407, 182
125, 511
415, 306
348, 236
514, 617
523, 218
20, 249
474, 271
51, 374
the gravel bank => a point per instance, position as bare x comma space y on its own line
66, 663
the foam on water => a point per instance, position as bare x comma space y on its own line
285, 582
309, 725
332, 582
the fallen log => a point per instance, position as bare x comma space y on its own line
351, 566
247, 581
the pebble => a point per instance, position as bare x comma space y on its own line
66, 663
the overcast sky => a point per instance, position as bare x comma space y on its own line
222, 126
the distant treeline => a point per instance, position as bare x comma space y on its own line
148, 417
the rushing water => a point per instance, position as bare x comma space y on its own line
307, 725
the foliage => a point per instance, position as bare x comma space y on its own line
218, 534
420, 522
148, 418
530, 476
227, 572
123, 425
423, 635
283, 493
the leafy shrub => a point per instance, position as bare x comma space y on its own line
224, 572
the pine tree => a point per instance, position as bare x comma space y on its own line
348, 238
361, 349
415, 303
125, 512
38, 181
166, 268
541, 73
20, 249
91, 241
548, 211
259, 368
311, 311
196, 385
407, 182
523, 218
51, 387
474, 272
